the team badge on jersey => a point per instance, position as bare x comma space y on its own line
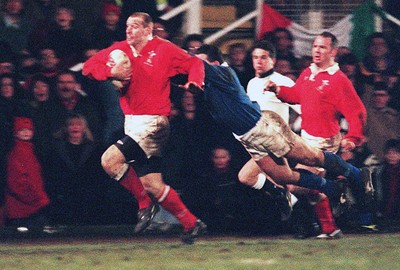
149, 60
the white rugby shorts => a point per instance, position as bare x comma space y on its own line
151, 132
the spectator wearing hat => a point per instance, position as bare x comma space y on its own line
108, 30
25, 197
383, 122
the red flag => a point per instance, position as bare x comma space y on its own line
271, 19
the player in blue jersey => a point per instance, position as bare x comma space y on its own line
265, 135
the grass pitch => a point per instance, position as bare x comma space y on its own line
374, 251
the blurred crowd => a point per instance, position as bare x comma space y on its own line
55, 124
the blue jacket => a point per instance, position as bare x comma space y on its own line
227, 100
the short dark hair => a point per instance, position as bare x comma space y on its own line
380, 86
281, 30
267, 46
165, 23
348, 59
374, 36
334, 40
192, 37
212, 52
237, 45
392, 144
67, 72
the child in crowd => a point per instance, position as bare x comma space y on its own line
25, 197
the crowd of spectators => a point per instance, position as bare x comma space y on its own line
75, 119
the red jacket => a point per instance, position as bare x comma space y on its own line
324, 98
149, 88
25, 193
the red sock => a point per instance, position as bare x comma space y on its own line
171, 202
324, 214
132, 183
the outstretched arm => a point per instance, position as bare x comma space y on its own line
192, 87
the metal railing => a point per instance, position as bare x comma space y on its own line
302, 12
192, 21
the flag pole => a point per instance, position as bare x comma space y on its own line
259, 9
392, 18
378, 20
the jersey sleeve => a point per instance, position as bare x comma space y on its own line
96, 66
353, 110
292, 94
184, 63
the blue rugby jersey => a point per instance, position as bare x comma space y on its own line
227, 100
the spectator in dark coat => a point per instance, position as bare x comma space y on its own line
82, 193
67, 41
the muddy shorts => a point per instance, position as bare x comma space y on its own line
151, 132
270, 135
330, 144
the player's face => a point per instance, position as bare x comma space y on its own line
323, 54
262, 61
136, 33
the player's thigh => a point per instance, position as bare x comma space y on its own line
305, 154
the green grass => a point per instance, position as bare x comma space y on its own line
379, 251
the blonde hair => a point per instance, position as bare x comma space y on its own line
63, 134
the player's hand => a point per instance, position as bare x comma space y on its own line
271, 87
122, 71
347, 145
192, 87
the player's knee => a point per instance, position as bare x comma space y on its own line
243, 177
106, 161
315, 159
131, 150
